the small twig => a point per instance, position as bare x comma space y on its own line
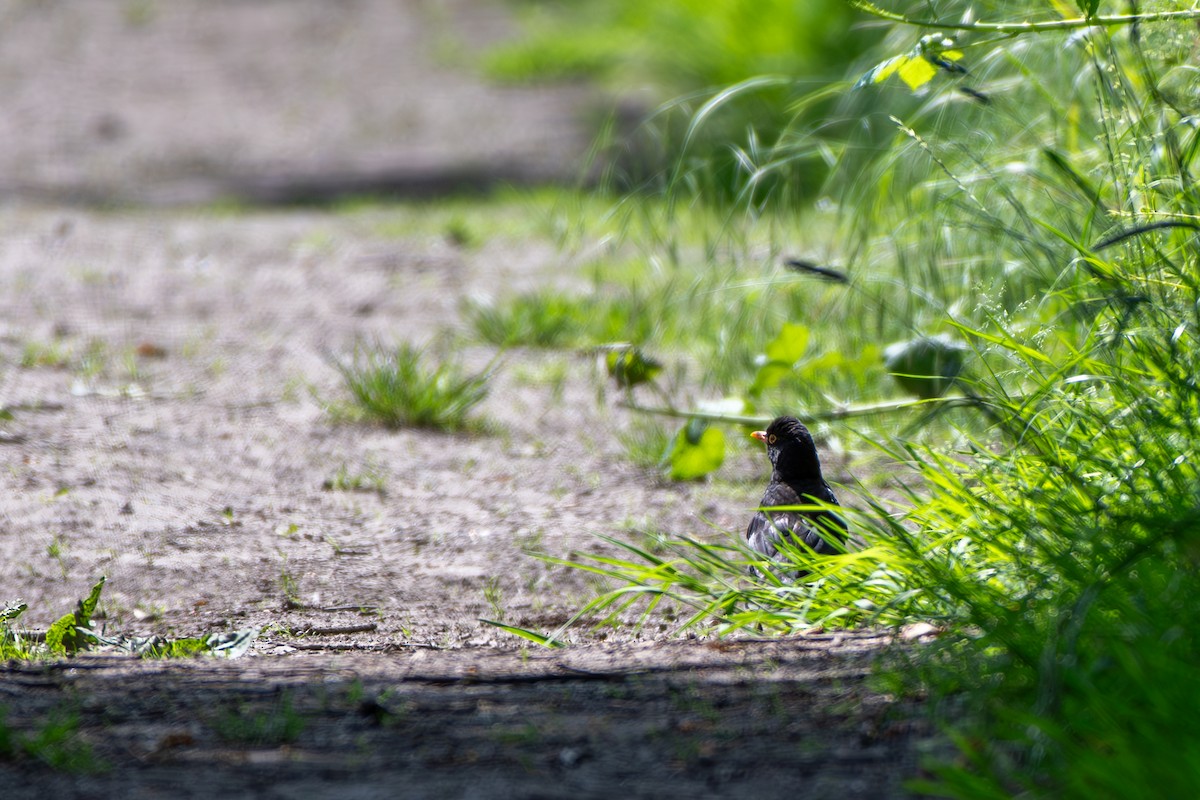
36, 405
1140, 229
1012, 28
567, 674
841, 412
372, 648
311, 630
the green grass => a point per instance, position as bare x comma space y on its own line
12, 644
534, 319
369, 479
54, 353
398, 388
280, 725
716, 320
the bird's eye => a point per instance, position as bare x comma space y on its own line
771, 439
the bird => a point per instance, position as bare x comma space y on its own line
796, 480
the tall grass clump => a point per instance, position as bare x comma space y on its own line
1053, 226
398, 387
1038, 201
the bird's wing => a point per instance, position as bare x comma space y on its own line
812, 528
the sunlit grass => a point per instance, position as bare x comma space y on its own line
398, 387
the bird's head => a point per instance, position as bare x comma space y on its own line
790, 448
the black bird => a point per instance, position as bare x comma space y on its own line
795, 481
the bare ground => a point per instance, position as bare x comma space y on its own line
168, 372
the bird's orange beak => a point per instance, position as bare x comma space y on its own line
760, 435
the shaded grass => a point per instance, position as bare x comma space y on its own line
54, 743
279, 725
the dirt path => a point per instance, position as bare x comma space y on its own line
169, 370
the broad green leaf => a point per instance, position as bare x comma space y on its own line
769, 375
825, 363
696, 452
779, 358
87, 607
790, 345
919, 66
63, 637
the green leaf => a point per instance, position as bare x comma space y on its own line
11, 612
696, 451
630, 366
780, 357
769, 375
83, 615
918, 66
926, 366
63, 637
790, 345
533, 636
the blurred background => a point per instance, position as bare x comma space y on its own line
188, 101
193, 101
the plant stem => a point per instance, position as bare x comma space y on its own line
1013, 28
841, 412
